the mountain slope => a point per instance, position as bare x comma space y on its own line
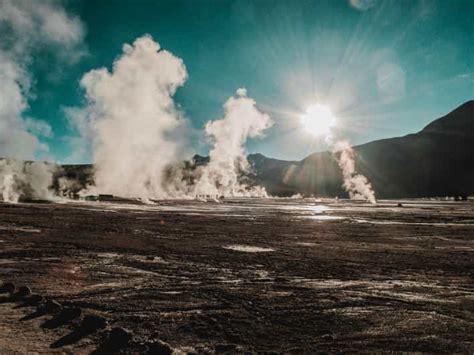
437, 161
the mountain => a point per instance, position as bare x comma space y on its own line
437, 161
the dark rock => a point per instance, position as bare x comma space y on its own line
66, 316
92, 323
23, 292
34, 299
51, 307
159, 347
119, 338
7, 287
224, 348
70, 313
327, 337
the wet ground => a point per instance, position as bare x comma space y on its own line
244, 275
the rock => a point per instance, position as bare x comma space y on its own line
327, 337
225, 348
118, 338
70, 313
34, 299
7, 287
52, 306
400, 205
159, 347
23, 292
92, 323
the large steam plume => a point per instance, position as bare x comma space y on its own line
26, 27
137, 132
242, 120
27, 180
133, 120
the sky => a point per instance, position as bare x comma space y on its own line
385, 68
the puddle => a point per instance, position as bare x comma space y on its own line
171, 292
396, 289
128, 270
261, 274
306, 244
104, 285
326, 218
20, 229
248, 248
369, 285
107, 255
279, 293
149, 259
436, 224
229, 281
320, 209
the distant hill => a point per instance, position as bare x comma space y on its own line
437, 161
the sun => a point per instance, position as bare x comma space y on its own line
318, 120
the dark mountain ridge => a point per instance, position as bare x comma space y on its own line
437, 161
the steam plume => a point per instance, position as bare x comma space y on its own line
25, 28
29, 180
133, 120
356, 185
242, 120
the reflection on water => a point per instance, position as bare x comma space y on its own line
437, 224
326, 218
320, 209
20, 229
248, 248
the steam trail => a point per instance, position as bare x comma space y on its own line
26, 28
357, 185
242, 120
30, 180
137, 132
133, 120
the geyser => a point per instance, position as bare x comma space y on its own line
138, 134
25, 180
357, 185
134, 120
319, 121
27, 29
242, 120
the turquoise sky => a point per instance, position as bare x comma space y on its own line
386, 68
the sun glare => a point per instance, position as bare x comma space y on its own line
318, 120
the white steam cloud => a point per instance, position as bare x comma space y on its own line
27, 180
26, 27
133, 120
357, 185
136, 130
320, 121
242, 120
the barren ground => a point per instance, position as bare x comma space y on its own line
263, 275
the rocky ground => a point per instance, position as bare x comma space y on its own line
241, 275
